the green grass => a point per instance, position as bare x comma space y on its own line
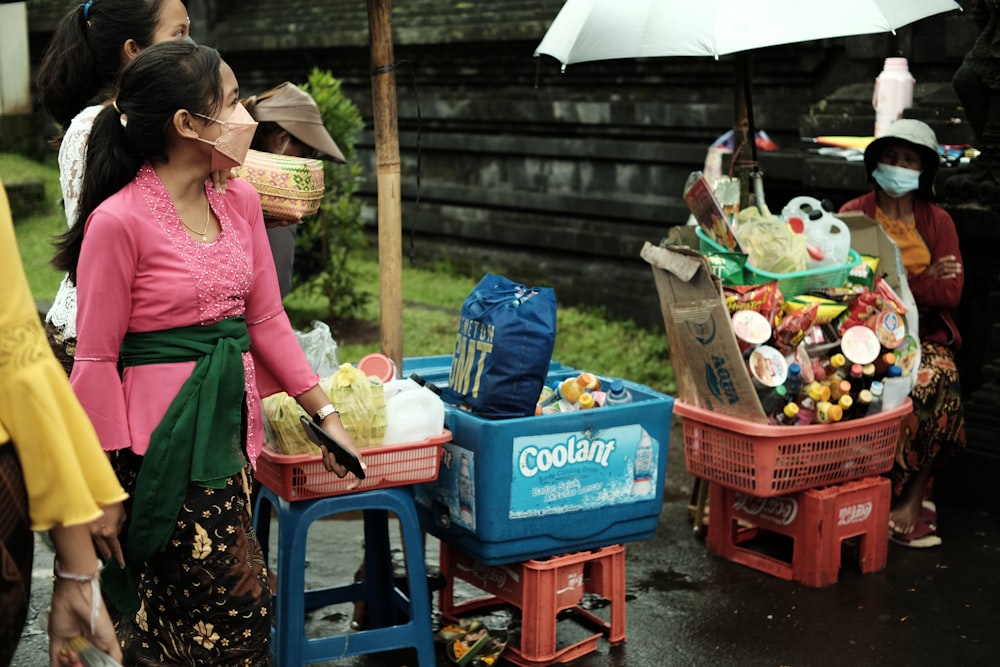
586, 339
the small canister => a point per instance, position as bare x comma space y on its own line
751, 329
767, 366
890, 329
860, 345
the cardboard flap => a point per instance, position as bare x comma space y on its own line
682, 262
707, 363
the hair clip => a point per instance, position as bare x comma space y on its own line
86, 10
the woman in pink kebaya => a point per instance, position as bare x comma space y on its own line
180, 331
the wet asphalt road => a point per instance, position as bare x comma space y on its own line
688, 607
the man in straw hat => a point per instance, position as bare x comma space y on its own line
290, 123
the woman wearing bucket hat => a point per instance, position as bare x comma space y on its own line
902, 165
289, 123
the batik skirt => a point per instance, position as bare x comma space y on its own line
935, 432
17, 549
205, 599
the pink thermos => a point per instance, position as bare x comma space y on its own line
893, 93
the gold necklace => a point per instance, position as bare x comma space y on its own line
208, 219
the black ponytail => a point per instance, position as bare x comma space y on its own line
158, 82
85, 54
111, 164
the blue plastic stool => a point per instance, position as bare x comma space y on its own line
378, 589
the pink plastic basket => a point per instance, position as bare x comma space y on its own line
767, 461
303, 476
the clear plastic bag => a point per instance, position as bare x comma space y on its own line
320, 348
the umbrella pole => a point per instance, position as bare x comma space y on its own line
743, 142
387, 171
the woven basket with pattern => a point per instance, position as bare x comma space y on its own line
291, 188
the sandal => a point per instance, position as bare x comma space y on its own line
923, 536
928, 513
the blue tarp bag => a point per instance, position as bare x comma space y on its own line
506, 334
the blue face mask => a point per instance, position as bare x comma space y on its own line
896, 181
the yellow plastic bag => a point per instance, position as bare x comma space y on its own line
360, 399
770, 244
282, 430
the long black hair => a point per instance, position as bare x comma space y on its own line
158, 82
85, 54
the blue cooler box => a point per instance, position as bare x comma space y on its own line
512, 490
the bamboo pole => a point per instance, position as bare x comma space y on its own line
387, 171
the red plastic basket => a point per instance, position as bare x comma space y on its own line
303, 476
767, 461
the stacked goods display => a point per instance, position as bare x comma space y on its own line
787, 391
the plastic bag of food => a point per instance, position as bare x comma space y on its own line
360, 399
282, 429
770, 243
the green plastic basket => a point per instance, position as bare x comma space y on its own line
790, 284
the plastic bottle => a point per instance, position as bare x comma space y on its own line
465, 498
807, 406
893, 93
855, 378
846, 404
867, 375
839, 389
863, 404
586, 401
642, 468
793, 383
828, 237
883, 362
838, 367
789, 414
774, 400
618, 393
875, 406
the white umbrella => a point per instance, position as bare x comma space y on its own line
588, 30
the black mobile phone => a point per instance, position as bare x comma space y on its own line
343, 455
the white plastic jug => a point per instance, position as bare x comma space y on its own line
833, 237
893, 93
412, 413
830, 235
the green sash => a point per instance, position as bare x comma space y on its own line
197, 442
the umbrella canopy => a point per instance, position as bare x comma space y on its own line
589, 30
586, 30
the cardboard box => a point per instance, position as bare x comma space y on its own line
709, 368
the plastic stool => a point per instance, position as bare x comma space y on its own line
542, 589
818, 520
378, 589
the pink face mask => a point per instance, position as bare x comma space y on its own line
230, 149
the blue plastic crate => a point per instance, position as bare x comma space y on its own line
512, 490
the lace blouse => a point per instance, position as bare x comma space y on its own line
72, 159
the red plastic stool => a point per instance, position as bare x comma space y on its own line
818, 520
542, 589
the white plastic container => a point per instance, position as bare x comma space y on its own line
893, 93
830, 235
412, 412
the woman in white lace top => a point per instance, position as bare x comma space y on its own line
76, 80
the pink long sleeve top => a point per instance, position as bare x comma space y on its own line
140, 271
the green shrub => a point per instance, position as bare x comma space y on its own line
326, 241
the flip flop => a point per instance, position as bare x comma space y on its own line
921, 537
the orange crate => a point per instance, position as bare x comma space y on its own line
303, 476
767, 461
